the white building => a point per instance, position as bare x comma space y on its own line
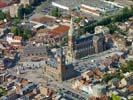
60, 6
88, 9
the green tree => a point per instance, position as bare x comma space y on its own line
28, 9
36, 2
2, 15
130, 65
21, 12
77, 20
3, 91
127, 67
14, 29
16, 20
7, 15
115, 97
107, 77
26, 34
131, 99
56, 12
123, 15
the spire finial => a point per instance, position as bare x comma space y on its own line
71, 30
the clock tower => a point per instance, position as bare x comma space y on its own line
60, 61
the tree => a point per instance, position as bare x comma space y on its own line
123, 15
56, 12
131, 99
16, 20
77, 20
28, 9
26, 34
130, 65
2, 15
127, 67
115, 97
24, 11
36, 2
8, 17
2, 91
107, 77
21, 12
14, 29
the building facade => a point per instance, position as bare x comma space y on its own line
32, 50
87, 44
57, 69
14, 10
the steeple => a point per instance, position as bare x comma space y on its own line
69, 56
71, 34
71, 30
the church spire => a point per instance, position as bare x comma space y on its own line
71, 30
70, 34
69, 55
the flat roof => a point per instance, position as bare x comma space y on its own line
44, 19
38, 25
76, 3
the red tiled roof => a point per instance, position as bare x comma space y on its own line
130, 88
59, 30
2, 5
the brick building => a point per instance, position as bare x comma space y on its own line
56, 67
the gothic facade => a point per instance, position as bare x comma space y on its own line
87, 44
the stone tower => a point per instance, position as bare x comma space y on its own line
60, 64
57, 69
69, 53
